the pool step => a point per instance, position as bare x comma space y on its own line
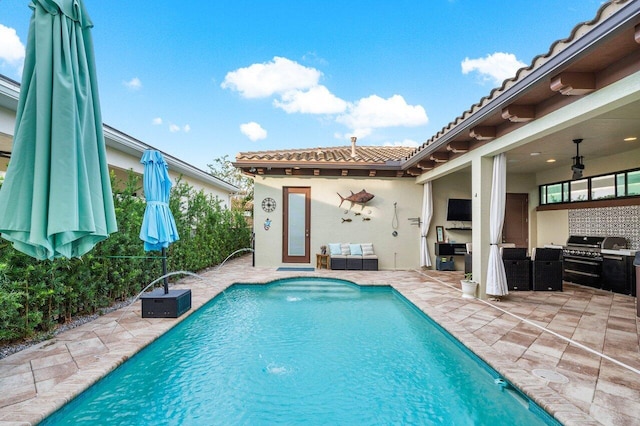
315, 287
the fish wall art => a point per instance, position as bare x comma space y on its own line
361, 198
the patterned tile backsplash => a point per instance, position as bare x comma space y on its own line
608, 222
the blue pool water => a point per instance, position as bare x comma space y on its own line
303, 351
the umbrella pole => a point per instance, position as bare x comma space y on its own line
164, 270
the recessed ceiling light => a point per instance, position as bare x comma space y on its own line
533, 154
630, 139
551, 160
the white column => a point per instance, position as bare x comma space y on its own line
481, 177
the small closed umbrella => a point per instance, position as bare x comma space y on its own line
158, 225
56, 200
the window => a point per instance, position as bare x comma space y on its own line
613, 185
603, 187
579, 190
633, 183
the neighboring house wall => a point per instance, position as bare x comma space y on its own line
401, 252
123, 151
121, 163
7, 120
121, 158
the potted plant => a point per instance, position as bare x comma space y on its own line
468, 286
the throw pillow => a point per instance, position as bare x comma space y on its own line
356, 250
367, 249
345, 249
334, 249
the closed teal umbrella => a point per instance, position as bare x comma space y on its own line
56, 200
158, 225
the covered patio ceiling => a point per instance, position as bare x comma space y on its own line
602, 136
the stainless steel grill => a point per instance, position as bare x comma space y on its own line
582, 258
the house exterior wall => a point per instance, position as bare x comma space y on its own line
327, 226
455, 185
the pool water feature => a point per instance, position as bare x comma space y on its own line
303, 351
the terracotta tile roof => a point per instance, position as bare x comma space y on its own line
365, 155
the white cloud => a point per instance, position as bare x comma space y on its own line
316, 100
495, 68
12, 51
157, 121
375, 112
186, 128
278, 76
407, 142
174, 128
253, 131
133, 84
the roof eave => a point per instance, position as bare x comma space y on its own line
618, 21
125, 143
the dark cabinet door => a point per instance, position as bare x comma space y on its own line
615, 274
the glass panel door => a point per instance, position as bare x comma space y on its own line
296, 229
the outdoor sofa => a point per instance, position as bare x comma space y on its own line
359, 257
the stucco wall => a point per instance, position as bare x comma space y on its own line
455, 185
327, 226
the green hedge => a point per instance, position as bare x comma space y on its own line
36, 295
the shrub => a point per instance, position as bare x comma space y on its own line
35, 295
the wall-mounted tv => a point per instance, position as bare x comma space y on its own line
459, 210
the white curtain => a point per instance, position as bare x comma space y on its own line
427, 214
496, 277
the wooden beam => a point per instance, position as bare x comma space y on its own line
400, 173
439, 157
414, 171
316, 172
260, 171
637, 34
288, 171
519, 113
458, 146
483, 133
574, 83
372, 173
345, 172
427, 164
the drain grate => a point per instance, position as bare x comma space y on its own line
550, 376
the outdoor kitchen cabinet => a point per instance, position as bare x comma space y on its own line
618, 274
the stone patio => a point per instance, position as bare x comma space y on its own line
584, 342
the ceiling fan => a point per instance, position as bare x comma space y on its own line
578, 166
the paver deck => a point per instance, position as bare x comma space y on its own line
584, 342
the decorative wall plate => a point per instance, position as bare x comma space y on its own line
268, 204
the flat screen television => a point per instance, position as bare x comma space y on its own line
459, 210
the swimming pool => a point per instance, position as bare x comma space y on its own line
303, 351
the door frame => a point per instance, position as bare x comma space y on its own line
306, 190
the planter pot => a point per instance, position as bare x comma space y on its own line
469, 289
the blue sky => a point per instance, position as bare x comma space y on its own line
204, 79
